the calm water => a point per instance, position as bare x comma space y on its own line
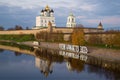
44, 65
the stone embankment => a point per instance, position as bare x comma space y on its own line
103, 53
107, 54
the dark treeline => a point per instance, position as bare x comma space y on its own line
17, 27
50, 37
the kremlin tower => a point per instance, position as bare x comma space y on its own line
100, 26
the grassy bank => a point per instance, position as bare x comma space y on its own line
20, 46
104, 46
18, 38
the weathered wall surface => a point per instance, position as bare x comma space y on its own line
67, 31
101, 35
21, 31
64, 30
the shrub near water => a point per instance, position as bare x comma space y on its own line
18, 38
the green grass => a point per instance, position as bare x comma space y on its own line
104, 46
18, 38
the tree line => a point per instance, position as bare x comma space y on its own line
17, 27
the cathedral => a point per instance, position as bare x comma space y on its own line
45, 16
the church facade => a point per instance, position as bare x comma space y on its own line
45, 16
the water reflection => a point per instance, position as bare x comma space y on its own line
17, 53
46, 60
76, 62
45, 66
75, 65
1, 50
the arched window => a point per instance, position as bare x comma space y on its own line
72, 20
69, 19
41, 21
52, 20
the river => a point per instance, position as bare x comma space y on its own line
27, 63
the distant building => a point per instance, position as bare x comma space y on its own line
71, 21
46, 15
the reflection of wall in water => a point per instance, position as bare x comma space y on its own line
73, 55
111, 65
45, 66
75, 65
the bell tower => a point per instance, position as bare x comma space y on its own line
71, 21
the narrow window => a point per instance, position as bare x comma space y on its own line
72, 20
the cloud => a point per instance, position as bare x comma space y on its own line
88, 7
11, 16
87, 12
114, 20
109, 20
81, 17
30, 4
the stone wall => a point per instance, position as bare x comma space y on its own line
101, 35
21, 31
67, 31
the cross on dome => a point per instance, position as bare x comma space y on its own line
47, 8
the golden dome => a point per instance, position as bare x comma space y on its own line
47, 8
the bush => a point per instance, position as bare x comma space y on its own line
50, 37
78, 37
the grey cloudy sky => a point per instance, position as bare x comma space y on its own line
87, 12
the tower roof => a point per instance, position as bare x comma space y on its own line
52, 10
100, 24
42, 10
71, 14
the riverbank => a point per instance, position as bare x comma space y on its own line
103, 53
106, 54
